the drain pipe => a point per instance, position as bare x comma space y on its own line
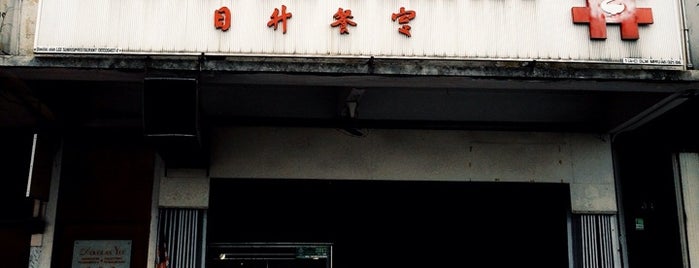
687, 48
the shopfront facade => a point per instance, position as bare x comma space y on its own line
350, 134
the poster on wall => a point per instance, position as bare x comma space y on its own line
102, 254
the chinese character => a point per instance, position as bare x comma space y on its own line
275, 18
404, 17
342, 18
222, 19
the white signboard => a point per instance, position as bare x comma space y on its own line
102, 254
547, 30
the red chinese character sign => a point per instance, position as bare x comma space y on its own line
276, 18
599, 13
343, 18
404, 17
222, 19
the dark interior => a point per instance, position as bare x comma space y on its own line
398, 223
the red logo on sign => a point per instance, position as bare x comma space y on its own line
222, 19
342, 19
600, 12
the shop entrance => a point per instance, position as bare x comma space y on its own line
395, 223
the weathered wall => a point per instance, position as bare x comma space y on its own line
581, 160
184, 188
592, 183
17, 26
27, 27
7, 8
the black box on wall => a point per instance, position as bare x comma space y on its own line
171, 120
170, 107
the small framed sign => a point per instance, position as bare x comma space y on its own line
640, 224
102, 254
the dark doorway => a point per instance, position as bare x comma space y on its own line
646, 175
650, 204
399, 223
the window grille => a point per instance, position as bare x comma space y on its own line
181, 238
596, 243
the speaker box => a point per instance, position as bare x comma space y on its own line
170, 107
171, 120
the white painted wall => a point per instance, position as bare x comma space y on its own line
583, 161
